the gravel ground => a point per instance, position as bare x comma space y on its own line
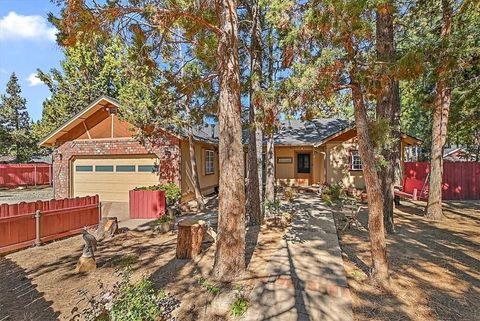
11, 196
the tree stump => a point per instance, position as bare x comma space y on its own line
190, 238
107, 227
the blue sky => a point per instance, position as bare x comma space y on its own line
27, 42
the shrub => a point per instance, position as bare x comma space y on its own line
336, 191
240, 305
136, 302
208, 286
289, 195
326, 198
162, 219
127, 302
172, 191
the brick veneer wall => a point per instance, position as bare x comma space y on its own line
168, 153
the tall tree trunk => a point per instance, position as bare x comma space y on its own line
194, 170
230, 251
388, 109
270, 170
439, 125
376, 230
254, 191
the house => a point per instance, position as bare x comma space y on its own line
457, 154
95, 152
321, 151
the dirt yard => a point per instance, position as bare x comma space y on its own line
435, 266
29, 194
40, 283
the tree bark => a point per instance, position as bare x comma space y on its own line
439, 125
255, 138
388, 109
194, 170
374, 193
230, 251
270, 172
190, 238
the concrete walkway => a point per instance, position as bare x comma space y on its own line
306, 278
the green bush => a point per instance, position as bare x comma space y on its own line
208, 286
136, 302
163, 219
172, 191
240, 305
336, 191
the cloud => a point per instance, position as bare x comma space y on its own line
15, 26
33, 80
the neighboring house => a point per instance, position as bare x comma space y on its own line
457, 154
96, 153
321, 151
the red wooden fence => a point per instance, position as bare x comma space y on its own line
146, 204
461, 180
57, 219
13, 175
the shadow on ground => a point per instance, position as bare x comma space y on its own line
434, 265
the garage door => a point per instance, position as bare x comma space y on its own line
112, 178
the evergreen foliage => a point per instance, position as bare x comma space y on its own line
15, 126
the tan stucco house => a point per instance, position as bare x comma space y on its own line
320, 151
96, 153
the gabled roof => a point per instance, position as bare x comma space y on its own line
206, 133
78, 119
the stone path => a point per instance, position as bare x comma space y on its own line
306, 278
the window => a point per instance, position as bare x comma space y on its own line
209, 162
284, 160
356, 161
125, 168
104, 168
148, 168
303, 163
84, 168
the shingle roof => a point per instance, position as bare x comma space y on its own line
295, 132
308, 132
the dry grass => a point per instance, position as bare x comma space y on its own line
40, 283
435, 266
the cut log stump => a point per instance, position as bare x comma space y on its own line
107, 227
190, 238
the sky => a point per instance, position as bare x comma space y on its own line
27, 42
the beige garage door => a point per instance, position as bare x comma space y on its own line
112, 178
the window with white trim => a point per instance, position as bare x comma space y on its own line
356, 161
209, 156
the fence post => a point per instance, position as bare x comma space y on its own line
35, 174
100, 211
38, 240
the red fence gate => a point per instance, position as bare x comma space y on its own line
13, 175
24, 224
461, 180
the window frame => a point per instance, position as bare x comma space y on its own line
124, 168
103, 168
355, 165
153, 169
304, 171
206, 168
83, 168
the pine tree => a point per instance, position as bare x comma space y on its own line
17, 140
88, 71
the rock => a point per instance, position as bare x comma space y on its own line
222, 303
86, 264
